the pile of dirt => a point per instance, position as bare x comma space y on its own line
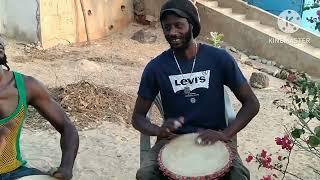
88, 106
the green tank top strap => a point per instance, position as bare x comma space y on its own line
21, 88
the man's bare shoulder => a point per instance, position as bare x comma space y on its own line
34, 87
31, 82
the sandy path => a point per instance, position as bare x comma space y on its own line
108, 152
111, 151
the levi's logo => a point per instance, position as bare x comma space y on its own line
194, 80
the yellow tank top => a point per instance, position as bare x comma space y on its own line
11, 158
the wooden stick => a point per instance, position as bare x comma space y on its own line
85, 20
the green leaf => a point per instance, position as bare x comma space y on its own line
317, 131
314, 141
311, 115
296, 133
303, 89
304, 115
312, 91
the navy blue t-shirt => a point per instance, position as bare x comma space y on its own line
203, 108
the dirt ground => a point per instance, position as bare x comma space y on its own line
107, 75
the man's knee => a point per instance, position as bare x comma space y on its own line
148, 173
238, 171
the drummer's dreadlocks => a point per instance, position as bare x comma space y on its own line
3, 60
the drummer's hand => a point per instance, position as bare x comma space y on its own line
169, 126
208, 137
63, 174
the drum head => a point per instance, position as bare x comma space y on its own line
37, 177
182, 157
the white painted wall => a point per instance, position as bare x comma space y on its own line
2, 15
18, 19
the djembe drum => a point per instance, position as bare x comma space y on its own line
184, 159
37, 177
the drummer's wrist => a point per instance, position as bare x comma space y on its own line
157, 131
228, 133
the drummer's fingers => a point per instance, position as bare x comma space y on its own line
172, 135
59, 176
173, 125
181, 119
207, 138
177, 124
202, 139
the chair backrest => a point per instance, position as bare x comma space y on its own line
145, 144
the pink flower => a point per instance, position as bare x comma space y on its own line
249, 158
278, 141
291, 77
263, 154
267, 177
318, 12
285, 142
266, 162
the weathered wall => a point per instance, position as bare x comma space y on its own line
62, 20
18, 19
2, 16
152, 7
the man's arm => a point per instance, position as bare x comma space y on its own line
250, 108
39, 98
235, 80
142, 124
139, 120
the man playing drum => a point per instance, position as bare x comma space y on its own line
17, 92
190, 77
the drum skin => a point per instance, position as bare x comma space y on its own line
187, 140
37, 177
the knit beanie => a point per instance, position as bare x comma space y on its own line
185, 9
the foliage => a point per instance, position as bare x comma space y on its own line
215, 39
304, 104
314, 20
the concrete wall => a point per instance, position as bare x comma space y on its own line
62, 20
244, 37
18, 19
152, 7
